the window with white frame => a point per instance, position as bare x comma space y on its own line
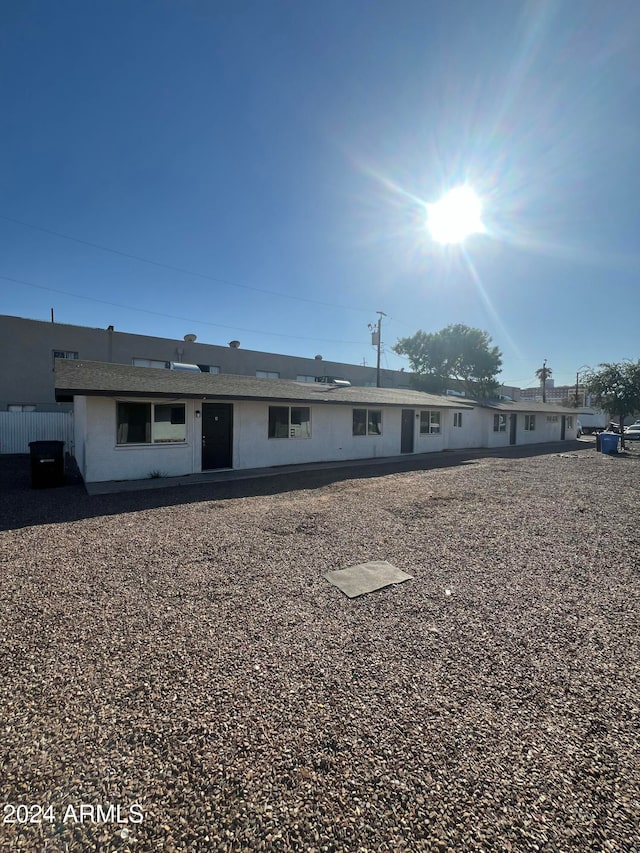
267, 374
457, 419
305, 377
21, 407
570, 421
150, 423
209, 368
552, 419
367, 422
429, 423
289, 422
499, 423
530, 422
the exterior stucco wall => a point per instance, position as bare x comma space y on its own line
331, 437
100, 458
544, 430
496, 439
470, 434
548, 428
105, 460
80, 433
572, 431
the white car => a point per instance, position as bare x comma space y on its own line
632, 432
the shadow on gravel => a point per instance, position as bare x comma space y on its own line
23, 506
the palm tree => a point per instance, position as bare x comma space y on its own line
543, 373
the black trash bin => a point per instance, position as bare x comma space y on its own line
598, 442
47, 464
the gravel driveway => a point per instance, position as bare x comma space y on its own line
178, 676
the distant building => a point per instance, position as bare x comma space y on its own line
563, 394
28, 349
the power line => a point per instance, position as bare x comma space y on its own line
193, 273
173, 316
181, 270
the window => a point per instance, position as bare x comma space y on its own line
374, 422
209, 368
457, 419
21, 407
552, 419
267, 374
149, 362
367, 422
305, 377
289, 422
429, 423
499, 423
570, 421
169, 423
64, 353
529, 422
150, 423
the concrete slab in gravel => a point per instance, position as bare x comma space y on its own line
366, 577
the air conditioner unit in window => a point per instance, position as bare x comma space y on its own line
179, 365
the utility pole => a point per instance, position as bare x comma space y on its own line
376, 338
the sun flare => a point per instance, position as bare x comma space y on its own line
456, 216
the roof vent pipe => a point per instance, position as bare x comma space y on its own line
234, 344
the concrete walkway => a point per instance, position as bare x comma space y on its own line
229, 475
410, 460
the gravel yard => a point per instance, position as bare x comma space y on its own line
178, 654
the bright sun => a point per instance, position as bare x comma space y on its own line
457, 215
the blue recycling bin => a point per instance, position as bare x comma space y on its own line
609, 442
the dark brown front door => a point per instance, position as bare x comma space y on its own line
513, 426
217, 432
406, 432
563, 427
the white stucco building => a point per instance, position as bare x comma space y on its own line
133, 422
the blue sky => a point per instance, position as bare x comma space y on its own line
259, 170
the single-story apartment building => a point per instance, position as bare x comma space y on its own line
133, 422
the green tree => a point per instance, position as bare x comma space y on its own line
616, 388
543, 373
455, 352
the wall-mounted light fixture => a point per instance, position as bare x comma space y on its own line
197, 413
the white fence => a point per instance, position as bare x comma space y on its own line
17, 429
